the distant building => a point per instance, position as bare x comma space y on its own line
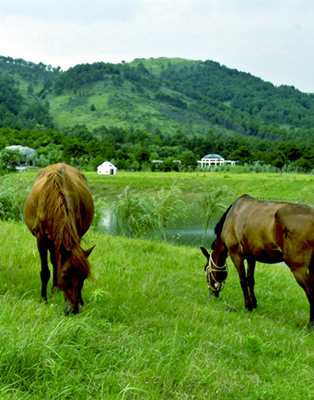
26, 156
106, 168
215, 160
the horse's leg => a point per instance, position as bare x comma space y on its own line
239, 263
311, 301
45, 273
54, 265
251, 281
306, 281
311, 293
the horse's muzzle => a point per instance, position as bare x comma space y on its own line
213, 292
71, 310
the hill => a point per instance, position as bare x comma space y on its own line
159, 94
167, 106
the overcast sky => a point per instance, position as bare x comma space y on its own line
271, 39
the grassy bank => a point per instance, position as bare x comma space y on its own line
294, 187
148, 330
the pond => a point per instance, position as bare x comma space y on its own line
188, 232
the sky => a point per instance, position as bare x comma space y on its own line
270, 39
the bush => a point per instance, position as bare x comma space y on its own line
13, 194
9, 208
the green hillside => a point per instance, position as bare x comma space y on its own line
162, 107
161, 94
130, 97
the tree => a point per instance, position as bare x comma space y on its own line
170, 164
279, 160
9, 159
81, 132
30, 89
142, 155
188, 159
39, 114
304, 164
242, 154
74, 149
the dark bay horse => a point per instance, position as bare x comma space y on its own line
58, 211
268, 232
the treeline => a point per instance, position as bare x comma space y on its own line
28, 70
136, 150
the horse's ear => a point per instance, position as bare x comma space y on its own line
87, 252
205, 252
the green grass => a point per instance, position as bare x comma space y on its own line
262, 185
266, 186
148, 330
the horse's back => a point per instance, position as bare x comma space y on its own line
295, 231
250, 229
270, 231
74, 186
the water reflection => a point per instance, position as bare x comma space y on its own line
187, 233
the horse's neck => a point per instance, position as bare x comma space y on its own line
220, 252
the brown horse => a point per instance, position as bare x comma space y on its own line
268, 232
58, 211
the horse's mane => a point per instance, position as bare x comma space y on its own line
220, 224
61, 216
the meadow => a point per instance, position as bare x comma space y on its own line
148, 329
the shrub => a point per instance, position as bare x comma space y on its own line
12, 197
9, 208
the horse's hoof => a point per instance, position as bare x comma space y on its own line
249, 307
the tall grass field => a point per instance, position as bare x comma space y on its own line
148, 329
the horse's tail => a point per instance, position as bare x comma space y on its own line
54, 210
220, 224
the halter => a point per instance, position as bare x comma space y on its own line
218, 286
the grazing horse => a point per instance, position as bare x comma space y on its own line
268, 232
58, 211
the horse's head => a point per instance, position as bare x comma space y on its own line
216, 274
74, 271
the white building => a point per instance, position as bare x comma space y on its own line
27, 157
106, 168
214, 159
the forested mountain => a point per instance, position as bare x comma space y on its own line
166, 106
